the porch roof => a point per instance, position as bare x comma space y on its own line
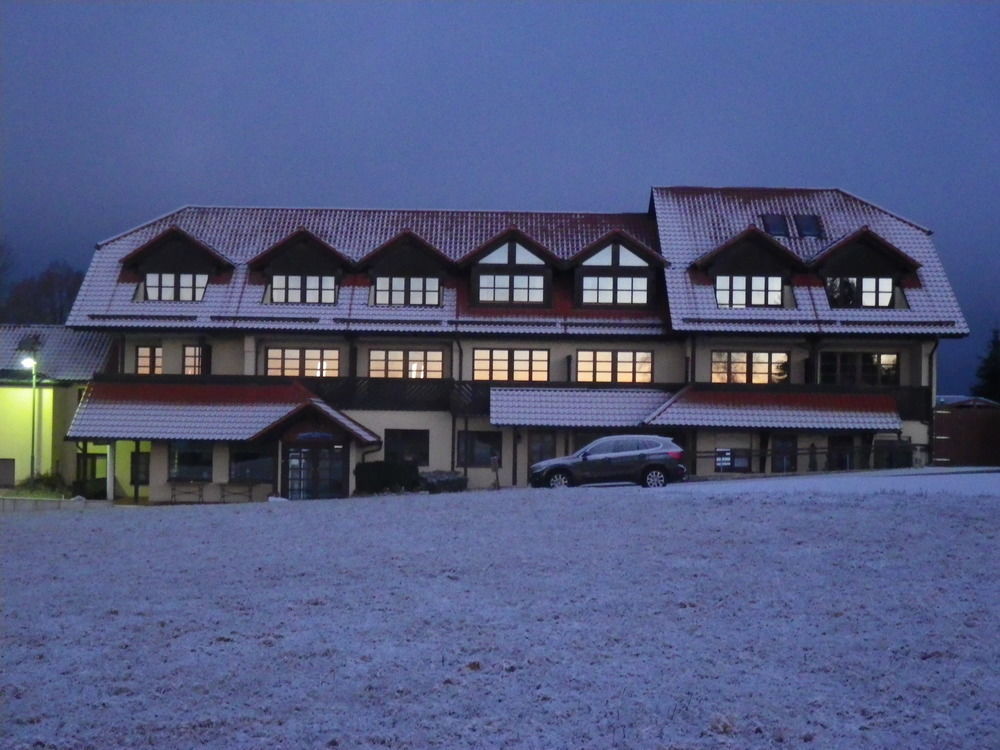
140, 411
803, 411
573, 407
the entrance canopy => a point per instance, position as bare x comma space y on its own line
159, 411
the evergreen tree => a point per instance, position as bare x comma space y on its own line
988, 374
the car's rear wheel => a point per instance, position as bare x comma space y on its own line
559, 478
654, 477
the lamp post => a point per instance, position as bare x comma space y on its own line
30, 362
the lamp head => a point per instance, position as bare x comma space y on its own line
28, 363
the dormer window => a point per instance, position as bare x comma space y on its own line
511, 274
748, 291
303, 289
808, 225
775, 225
860, 291
175, 287
614, 275
407, 290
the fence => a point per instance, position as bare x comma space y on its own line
880, 455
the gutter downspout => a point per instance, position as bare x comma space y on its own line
932, 422
454, 434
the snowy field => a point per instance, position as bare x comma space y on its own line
827, 612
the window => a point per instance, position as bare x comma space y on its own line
528, 288
310, 363
195, 360
477, 449
775, 225
407, 290
764, 291
614, 367
405, 363
140, 469
413, 446
179, 287
750, 367
860, 291
512, 254
541, 445
250, 465
149, 360
732, 460
808, 225
304, 289
853, 368
615, 290
784, 454
510, 364
189, 461
6, 472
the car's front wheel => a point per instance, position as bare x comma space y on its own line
654, 477
559, 478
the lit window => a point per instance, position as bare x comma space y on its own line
614, 366
863, 291
511, 288
149, 360
405, 363
303, 362
733, 291
808, 225
303, 289
194, 360
510, 364
175, 287
749, 367
775, 225
407, 290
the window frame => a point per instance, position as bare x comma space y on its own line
616, 365
848, 369
409, 357
407, 291
749, 370
726, 284
493, 364
802, 220
154, 359
615, 272
835, 294
199, 473
302, 360
422, 451
176, 286
254, 475
193, 359
465, 437
303, 289
512, 270
775, 225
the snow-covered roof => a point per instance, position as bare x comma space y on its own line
159, 411
693, 221
239, 235
778, 410
62, 353
573, 407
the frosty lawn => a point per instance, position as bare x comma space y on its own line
838, 611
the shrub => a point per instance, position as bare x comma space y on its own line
381, 476
443, 481
44, 483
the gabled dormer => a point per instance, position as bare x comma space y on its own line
512, 269
406, 270
751, 269
616, 271
864, 269
173, 267
300, 269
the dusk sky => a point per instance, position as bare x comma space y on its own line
114, 113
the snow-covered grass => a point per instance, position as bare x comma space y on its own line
853, 611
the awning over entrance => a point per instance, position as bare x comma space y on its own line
158, 411
793, 411
573, 407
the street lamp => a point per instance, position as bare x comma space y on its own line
32, 364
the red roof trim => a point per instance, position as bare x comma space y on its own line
864, 233
752, 232
173, 229
259, 261
841, 402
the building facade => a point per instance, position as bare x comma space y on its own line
260, 351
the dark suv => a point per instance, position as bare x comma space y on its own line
650, 460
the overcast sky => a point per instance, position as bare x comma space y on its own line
114, 113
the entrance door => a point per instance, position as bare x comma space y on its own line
315, 471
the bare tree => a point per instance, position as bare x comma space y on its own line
45, 298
